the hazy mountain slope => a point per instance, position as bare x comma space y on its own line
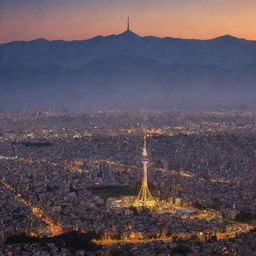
225, 51
126, 81
127, 70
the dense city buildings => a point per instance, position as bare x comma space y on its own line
62, 172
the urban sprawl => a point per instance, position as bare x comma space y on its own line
70, 172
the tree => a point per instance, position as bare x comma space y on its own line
116, 252
73, 240
245, 216
181, 249
199, 206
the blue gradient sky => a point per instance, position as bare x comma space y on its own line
80, 19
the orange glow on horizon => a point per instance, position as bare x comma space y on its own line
85, 19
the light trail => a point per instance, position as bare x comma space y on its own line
55, 228
244, 228
220, 181
172, 172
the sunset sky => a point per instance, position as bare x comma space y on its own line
81, 19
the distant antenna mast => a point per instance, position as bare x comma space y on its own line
128, 24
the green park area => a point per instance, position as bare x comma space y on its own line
114, 191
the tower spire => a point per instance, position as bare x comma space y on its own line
145, 152
128, 23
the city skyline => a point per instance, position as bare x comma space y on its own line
78, 20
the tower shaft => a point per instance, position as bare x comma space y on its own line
145, 175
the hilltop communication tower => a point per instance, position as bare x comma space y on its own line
128, 23
144, 198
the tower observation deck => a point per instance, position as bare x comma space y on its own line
144, 198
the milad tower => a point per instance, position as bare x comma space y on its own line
144, 198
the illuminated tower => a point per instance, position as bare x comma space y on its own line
144, 198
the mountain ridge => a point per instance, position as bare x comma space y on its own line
127, 70
225, 36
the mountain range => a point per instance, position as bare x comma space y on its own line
128, 71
